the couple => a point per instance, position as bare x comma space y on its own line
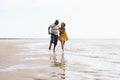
54, 34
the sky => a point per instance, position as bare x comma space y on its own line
91, 19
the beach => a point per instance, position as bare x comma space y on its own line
84, 59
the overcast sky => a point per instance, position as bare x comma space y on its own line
83, 18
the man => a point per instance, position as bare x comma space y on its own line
54, 34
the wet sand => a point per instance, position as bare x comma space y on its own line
17, 64
83, 60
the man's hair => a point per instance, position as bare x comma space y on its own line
56, 22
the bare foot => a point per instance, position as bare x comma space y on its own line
54, 50
49, 47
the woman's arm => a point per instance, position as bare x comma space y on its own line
61, 30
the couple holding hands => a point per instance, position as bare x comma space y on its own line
54, 29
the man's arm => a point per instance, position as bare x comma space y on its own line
49, 30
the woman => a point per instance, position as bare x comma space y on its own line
63, 35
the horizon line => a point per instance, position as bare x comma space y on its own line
49, 38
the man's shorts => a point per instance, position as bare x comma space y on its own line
54, 39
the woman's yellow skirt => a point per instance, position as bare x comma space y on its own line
63, 37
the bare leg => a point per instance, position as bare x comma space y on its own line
62, 45
50, 45
54, 48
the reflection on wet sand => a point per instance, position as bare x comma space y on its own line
60, 64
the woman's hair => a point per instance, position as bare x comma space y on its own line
63, 23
